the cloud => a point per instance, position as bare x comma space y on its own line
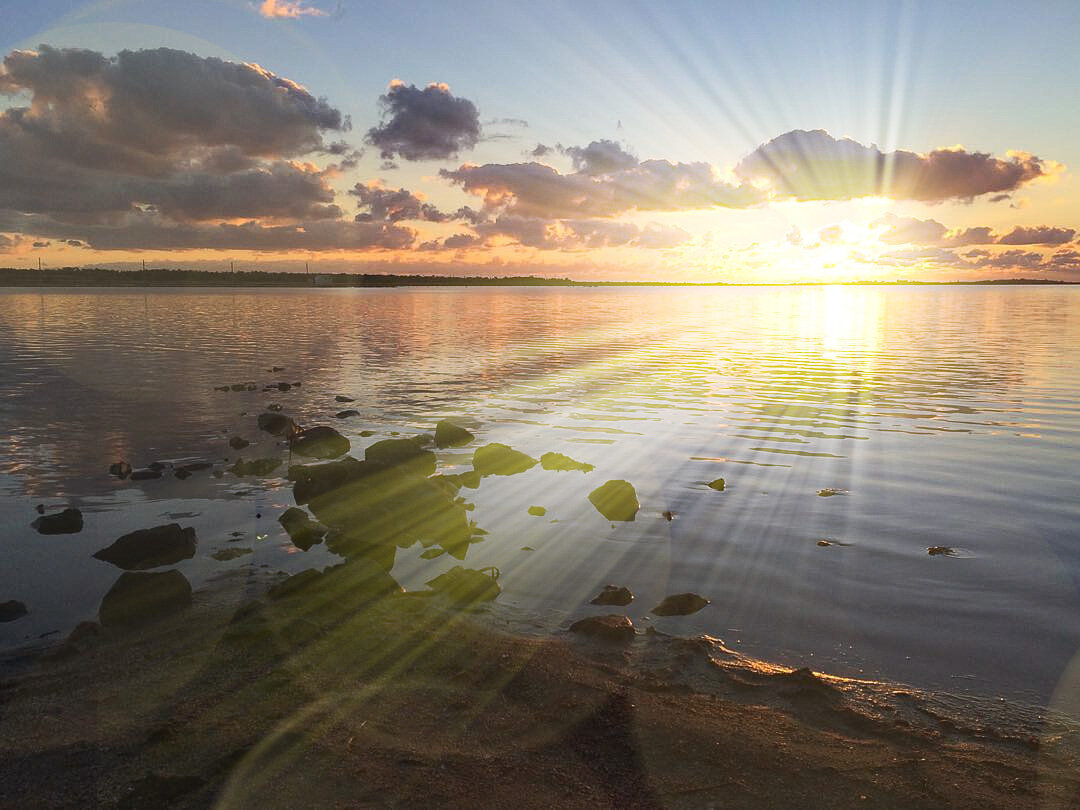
9, 241
537, 190
428, 124
386, 204
813, 165
1040, 235
567, 235
540, 150
599, 157
288, 9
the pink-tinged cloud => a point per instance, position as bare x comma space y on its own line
813, 165
288, 9
428, 124
1040, 235
913, 231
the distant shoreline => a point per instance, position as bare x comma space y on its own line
164, 277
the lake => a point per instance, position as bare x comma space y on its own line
855, 428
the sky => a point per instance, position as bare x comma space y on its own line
677, 141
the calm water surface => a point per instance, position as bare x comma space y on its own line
941, 416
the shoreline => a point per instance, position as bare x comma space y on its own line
334, 693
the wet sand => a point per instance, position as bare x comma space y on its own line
341, 696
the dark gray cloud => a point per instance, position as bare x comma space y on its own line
390, 205
563, 234
428, 124
599, 157
540, 150
1039, 235
537, 190
42, 244
813, 165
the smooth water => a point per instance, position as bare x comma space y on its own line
941, 416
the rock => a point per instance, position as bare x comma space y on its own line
83, 632
302, 530
320, 441
346, 414
276, 424
612, 627
256, 467
273, 406
538, 511
366, 433
343, 398
946, 551
70, 521
613, 595
230, 553
238, 443
12, 610
145, 475
182, 474
195, 466
718, 485
221, 388
149, 548
238, 387
470, 479
829, 492
40, 509
615, 500
275, 369
824, 543
498, 459
467, 586
681, 604
120, 469
401, 453
561, 463
139, 597
668, 515
156, 466
314, 480
447, 434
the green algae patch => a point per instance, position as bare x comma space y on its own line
499, 459
719, 485
561, 463
538, 511
615, 500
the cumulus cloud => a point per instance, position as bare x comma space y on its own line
537, 190
813, 165
913, 231
428, 124
288, 9
599, 157
391, 205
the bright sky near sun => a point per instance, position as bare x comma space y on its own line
765, 142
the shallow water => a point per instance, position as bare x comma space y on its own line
939, 416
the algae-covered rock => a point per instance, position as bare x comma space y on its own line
276, 424
615, 500
230, 553
313, 480
447, 434
401, 453
537, 511
320, 441
149, 548
499, 459
120, 469
302, 530
256, 467
718, 485
680, 604
467, 586
612, 627
613, 595
70, 521
347, 414
139, 597
561, 463
238, 442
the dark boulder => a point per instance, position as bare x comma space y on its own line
149, 548
613, 627
302, 530
139, 597
499, 459
403, 453
320, 441
12, 610
314, 480
447, 434
238, 442
613, 595
70, 521
343, 398
681, 604
276, 424
615, 500
346, 414
145, 475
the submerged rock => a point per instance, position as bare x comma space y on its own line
120, 469
447, 434
945, 551
615, 500
401, 453
320, 441
829, 492
680, 604
718, 485
302, 530
238, 442
149, 548
612, 627
313, 480
346, 414
343, 398
139, 597
12, 610
561, 463
256, 467
613, 595
145, 475
70, 521
276, 424
499, 459
230, 553
467, 586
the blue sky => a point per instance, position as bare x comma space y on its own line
693, 82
